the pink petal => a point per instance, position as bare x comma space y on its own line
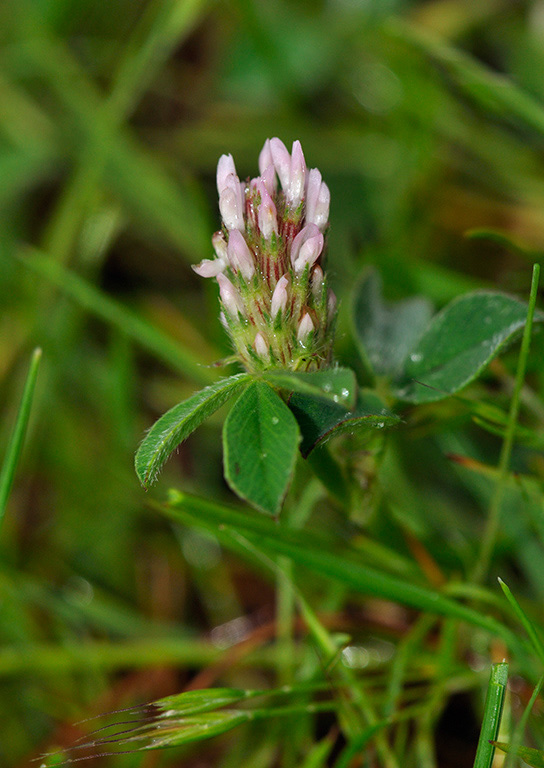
208, 267
240, 257
282, 161
279, 297
225, 168
305, 327
266, 214
229, 296
261, 347
265, 158
306, 248
297, 176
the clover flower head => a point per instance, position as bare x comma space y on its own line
269, 253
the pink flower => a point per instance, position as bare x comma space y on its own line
225, 168
282, 161
267, 214
240, 257
279, 297
212, 267
317, 200
265, 158
231, 203
295, 189
305, 328
306, 248
230, 297
275, 303
261, 347
209, 267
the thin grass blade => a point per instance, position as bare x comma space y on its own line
15, 445
491, 721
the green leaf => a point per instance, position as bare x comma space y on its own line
534, 757
319, 419
260, 440
336, 384
459, 342
178, 423
387, 332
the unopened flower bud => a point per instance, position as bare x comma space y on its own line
268, 177
295, 190
282, 162
305, 328
225, 168
261, 347
279, 297
232, 212
240, 257
265, 158
317, 281
317, 200
306, 248
229, 296
266, 214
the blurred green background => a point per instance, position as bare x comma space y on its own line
112, 117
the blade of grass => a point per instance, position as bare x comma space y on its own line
406, 648
492, 527
161, 27
524, 620
359, 703
517, 735
15, 445
272, 538
106, 148
492, 715
318, 755
42, 660
493, 92
174, 354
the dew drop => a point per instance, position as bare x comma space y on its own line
327, 387
264, 455
380, 425
275, 420
345, 392
416, 357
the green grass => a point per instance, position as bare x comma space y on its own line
374, 599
